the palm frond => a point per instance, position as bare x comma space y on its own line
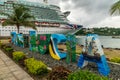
20, 9
8, 22
27, 16
20, 17
5, 14
115, 8
29, 24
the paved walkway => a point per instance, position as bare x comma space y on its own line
9, 70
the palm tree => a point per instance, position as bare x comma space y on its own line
19, 17
115, 8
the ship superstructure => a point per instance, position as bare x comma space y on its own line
48, 18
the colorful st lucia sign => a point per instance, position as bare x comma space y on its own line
20, 40
71, 48
26, 40
32, 41
13, 37
43, 41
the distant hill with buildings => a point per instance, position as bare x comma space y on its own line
100, 31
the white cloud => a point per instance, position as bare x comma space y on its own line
113, 21
76, 18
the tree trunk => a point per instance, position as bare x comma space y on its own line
17, 27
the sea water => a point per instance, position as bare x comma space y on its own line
106, 41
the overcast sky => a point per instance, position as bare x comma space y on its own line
89, 13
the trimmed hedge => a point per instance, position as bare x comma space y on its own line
35, 67
85, 75
18, 55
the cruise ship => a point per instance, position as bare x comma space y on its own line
49, 18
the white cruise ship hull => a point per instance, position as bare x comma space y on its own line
5, 31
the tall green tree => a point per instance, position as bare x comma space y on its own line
19, 17
115, 8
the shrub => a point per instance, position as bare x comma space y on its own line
18, 55
0, 44
35, 67
116, 60
85, 75
6, 46
9, 49
59, 73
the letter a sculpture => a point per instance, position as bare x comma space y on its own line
93, 52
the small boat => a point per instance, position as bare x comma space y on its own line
116, 37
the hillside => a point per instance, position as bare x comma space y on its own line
100, 31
